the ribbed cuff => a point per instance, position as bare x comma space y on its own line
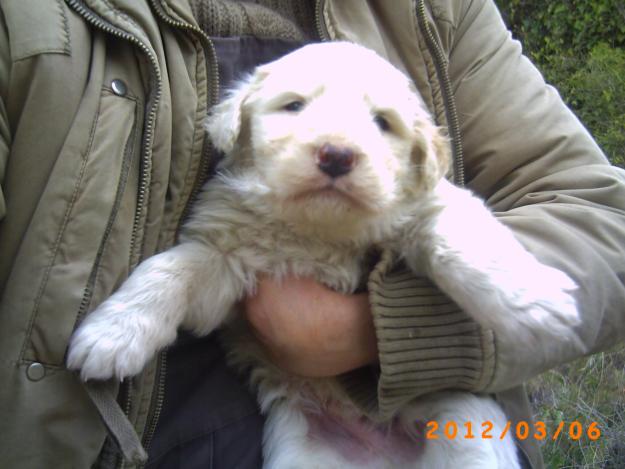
425, 342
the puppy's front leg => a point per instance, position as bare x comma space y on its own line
478, 262
142, 317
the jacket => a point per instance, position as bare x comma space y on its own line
98, 168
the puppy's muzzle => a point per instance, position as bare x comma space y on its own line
335, 161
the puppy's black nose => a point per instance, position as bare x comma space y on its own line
335, 161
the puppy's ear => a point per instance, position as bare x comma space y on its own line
431, 154
224, 120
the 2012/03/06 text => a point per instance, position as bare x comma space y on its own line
522, 430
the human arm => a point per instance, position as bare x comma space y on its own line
545, 178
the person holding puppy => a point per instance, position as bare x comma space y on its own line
114, 152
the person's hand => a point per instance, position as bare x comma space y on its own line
311, 330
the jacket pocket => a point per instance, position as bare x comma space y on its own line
88, 206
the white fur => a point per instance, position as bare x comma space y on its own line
272, 210
488, 272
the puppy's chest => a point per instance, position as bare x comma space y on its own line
263, 245
283, 252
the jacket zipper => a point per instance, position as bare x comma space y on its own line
213, 91
322, 30
158, 395
145, 163
447, 92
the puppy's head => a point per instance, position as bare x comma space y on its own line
331, 137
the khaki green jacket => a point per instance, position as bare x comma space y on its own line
102, 147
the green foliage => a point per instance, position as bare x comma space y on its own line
572, 27
587, 390
596, 91
579, 46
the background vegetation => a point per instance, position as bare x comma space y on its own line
579, 45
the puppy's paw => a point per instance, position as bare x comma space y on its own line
479, 263
113, 342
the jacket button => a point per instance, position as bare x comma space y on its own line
35, 371
119, 87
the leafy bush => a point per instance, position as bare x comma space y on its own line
579, 47
596, 91
549, 28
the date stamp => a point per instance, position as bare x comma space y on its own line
522, 430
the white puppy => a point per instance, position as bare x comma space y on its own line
329, 152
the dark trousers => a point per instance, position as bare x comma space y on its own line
209, 419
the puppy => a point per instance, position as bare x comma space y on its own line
330, 152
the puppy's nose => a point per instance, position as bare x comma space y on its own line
335, 161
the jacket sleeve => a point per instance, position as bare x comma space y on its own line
544, 177
5, 136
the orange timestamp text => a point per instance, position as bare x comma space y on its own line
522, 430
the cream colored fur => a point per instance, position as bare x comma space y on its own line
272, 210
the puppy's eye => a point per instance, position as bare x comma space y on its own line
294, 106
382, 123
